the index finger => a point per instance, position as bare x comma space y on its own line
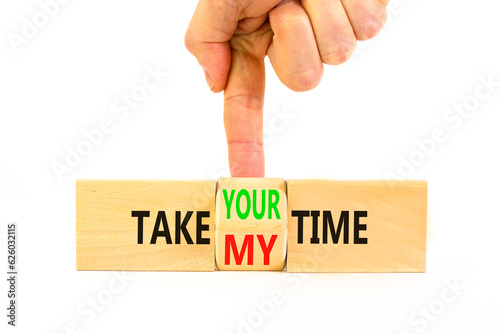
243, 115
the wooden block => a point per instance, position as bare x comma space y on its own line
358, 226
177, 232
250, 224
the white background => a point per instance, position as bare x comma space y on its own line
364, 117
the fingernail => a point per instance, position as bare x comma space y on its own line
210, 81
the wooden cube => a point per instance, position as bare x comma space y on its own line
250, 224
145, 225
358, 226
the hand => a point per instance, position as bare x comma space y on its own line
231, 38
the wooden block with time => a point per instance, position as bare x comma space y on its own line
356, 226
145, 225
250, 224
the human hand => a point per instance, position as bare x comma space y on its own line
231, 38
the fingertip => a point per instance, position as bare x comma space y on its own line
371, 26
367, 17
339, 52
304, 81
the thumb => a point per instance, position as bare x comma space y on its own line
212, 26
243, 115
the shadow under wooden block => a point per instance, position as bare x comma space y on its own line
145, 225
356, 226
250, 224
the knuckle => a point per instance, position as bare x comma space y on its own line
227, 5
244, 101
291, 21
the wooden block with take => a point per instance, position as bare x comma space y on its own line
145, 225
357, 226
250, 224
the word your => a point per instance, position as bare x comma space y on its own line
328, 224
243, 200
